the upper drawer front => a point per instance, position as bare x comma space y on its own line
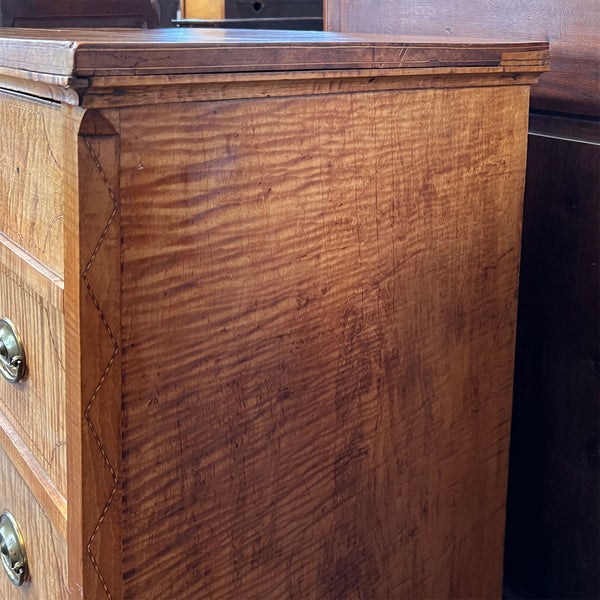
33, 176
36, 405
46, 549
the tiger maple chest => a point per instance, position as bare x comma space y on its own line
258, 303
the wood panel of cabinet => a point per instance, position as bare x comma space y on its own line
289, 308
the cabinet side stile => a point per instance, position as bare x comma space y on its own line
92, 315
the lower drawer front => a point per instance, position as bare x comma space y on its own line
35, 406
46, 549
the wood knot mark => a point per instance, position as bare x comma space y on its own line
302, 302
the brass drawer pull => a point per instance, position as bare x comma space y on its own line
12, 353
12, 549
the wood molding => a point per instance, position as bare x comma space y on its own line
89, 53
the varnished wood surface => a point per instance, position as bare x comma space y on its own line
318, 330
36, 478
92, 313
289, 320
87, 53
46, 548
32, 175
36, 406
553, 521
49, 87
571, 26
118, 91
564, 127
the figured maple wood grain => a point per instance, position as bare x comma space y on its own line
46, 548
119, 91
571, 26
33, 474
289, 320
32, 176
92, 310
32, 300
318, 311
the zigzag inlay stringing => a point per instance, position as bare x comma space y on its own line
86, 414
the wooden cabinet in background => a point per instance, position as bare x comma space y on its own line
268, 282
202, 9
243, 14
272, 9
571, 26
553, 529
79, 13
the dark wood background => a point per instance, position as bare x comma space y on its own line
552, 528
269, 9
79, 13
571, 26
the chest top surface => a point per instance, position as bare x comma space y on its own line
88, 52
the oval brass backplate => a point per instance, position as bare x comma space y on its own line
12, 549
12, 353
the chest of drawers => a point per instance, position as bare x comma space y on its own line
266, 291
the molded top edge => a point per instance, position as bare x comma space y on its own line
102, 52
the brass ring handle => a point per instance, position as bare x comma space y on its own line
12, 353
12, 549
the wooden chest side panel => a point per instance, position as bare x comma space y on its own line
32, 172
319, 304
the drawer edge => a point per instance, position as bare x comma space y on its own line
33, 262
34, 475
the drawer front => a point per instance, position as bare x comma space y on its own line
33, 176
35, 406
46, 549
